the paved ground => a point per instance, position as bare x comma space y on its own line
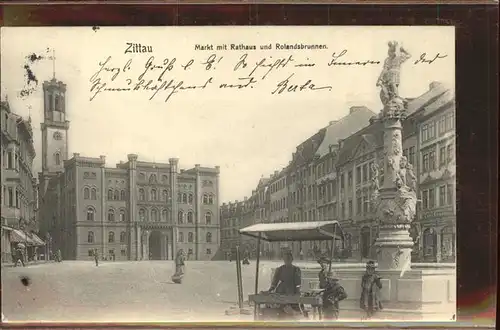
126, 291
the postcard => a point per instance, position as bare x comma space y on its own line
144, 168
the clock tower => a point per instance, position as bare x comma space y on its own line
54, 130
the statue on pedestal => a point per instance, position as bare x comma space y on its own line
390, 77
396, 200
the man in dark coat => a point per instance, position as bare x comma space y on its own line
287, 280
287, 277
323, 262
333, 294
370, 291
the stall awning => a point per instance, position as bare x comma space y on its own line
295, 231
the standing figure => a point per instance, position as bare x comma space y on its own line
390, 76
179, 267
411, 179
322, 273
287, 280
59, 255
333, 294
19, 256
96, 257
370, 291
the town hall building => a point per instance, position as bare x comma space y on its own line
136, 211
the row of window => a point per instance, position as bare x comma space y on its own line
278, 185
111, 215
116, 195
446, 155
123, 237
154, 215
153, 178
446, 123
279, 204
153, 195
445, 193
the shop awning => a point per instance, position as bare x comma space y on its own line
37, 240
17, 236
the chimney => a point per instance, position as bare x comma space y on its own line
236, 201
341, 143
102, 158
121, 162
245, 198
182, 170
434, 84
373, 119
333, 122
76, 155
276, 173
196, 165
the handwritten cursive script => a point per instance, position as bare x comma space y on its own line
165, 76
429, 60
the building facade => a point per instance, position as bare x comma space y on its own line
437, 179
19, 187
278, 207
331, 177
231, 218
135, 211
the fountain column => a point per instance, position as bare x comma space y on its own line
395, 200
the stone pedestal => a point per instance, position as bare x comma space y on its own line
394, 246
427, 292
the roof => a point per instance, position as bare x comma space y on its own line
373, 135
295, 231
307, 149
358, 117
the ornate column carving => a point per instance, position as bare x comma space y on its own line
395, 201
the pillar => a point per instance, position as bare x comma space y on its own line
174, 207
145, 244
199, 216
164, 246
132, 210
103, 205
395, 201
438, 244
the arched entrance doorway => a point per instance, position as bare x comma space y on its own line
365, 242
155, 245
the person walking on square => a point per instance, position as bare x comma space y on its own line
332, 295
96, 257
370, 291
179, 267
19, 256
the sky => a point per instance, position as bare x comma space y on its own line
249, 132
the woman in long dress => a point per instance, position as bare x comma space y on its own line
179, 267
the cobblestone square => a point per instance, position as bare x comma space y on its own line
126, 291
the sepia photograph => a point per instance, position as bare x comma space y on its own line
144, 168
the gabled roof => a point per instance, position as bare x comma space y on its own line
373, 135
306, 150
358, 117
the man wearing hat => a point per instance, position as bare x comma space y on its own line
370, 291
332, 295
323, 262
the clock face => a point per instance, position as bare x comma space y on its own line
57, 136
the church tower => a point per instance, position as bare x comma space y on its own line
54, 130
